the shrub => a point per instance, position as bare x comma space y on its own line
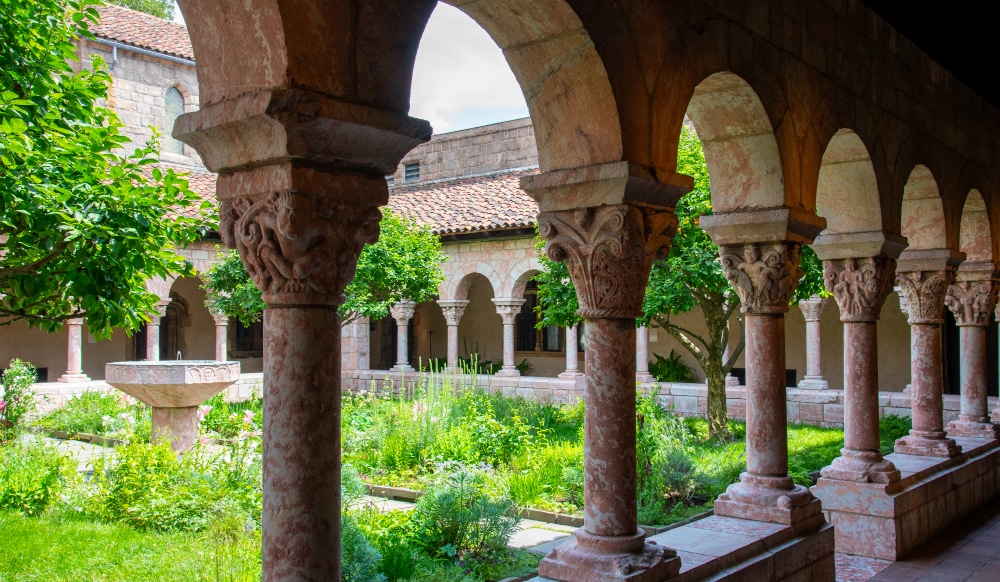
361, 560
113, 415
890, 428
231, 419
17, 397
670, 369
32, 476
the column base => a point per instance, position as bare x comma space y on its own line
927, 446
973, 429
508, 372
570, 375
73, 377
402, 368
861, 467
644, 377
813, 383
732, 380
752, 499
590, 558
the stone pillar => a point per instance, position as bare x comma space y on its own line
764, 275
609, 251
74, 352
642, 374
572, 355
403, 312
812, 311
971, 299
508, 310
860, 286
221, 336
453, 310
924, 279
153, 331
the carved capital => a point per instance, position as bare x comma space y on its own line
403, 311
859, 285
453, 309
609, 251
923, 294
300, 248
971, 302
764, 275
159, 311
220, 318
508, 309
812, 308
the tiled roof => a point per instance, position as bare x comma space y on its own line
489, 202
142, 30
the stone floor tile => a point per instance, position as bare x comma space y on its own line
858, 568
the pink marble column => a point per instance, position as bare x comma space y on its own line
971, 299
609, 251
403, 312
153, 331
812, 311
453, 310
925, 291
860, 286
764, 275
572, 355
74, 352
642, 374
221, 336
508, 309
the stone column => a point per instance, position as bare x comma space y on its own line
924, 282
508, 310
153, 331
453, 310
221, 336
572, 355
74, 352
860, 286
609, 251
403, 312
971, 299
812, 310
642, 355
764, 275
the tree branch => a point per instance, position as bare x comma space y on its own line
31, 268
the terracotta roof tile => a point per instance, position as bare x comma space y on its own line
488, 202
144, 31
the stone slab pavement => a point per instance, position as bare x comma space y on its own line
83, 453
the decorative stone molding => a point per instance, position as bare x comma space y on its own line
300, 248
812, 308
971, 302
859, 285
453, 310
220, 319
609, 251
924, 293
764, 275
508, 309
160, 311
403, 311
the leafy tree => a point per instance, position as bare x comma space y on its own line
691, 275
159, 8
405, 263
83, 225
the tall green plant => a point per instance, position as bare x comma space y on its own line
17, 396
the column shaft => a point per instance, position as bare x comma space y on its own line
402, 345
861, 411
153, 339
453, 347
642, 355
221, 341
973, 347
926, 378
508, 346
74, 352
813, 354
767, 442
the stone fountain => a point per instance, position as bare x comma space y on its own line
174, 388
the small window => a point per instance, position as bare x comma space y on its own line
173, 107
411, 172
249, 340
390, 179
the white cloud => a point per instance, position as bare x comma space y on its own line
460, 78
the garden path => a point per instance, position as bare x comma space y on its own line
83, 453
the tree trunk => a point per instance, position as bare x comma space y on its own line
718, 414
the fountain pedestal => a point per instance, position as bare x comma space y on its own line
174, 388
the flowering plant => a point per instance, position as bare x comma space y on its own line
17, 396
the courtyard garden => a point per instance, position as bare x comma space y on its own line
476, 460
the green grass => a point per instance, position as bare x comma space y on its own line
52, 550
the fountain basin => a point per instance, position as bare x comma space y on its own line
174, 388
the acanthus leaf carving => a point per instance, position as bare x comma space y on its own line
859, 285
971, 302
609, 251
923, 294
764, 275
812, 308
453, 310
403, 311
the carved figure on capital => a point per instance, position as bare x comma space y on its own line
764, 275
924, 294
971, 301
609, 251
300, 248
859, 285
403, 311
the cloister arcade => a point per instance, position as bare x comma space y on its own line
821, 126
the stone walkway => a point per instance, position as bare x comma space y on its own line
84, 453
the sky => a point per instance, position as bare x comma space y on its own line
460, 78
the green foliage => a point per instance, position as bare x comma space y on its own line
231, 419
811, 282
670, 369
84, 225
160, 8
112, 415
891, 428
32, 477
557, 302
405, 263
810, 448
17, 396
361, 560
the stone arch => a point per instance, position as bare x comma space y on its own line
160, 287
370, 62
519, 276
923, 218
456, 285
847, 192
741, 151
975, 235
188, 326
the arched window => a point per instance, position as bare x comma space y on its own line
173, 107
